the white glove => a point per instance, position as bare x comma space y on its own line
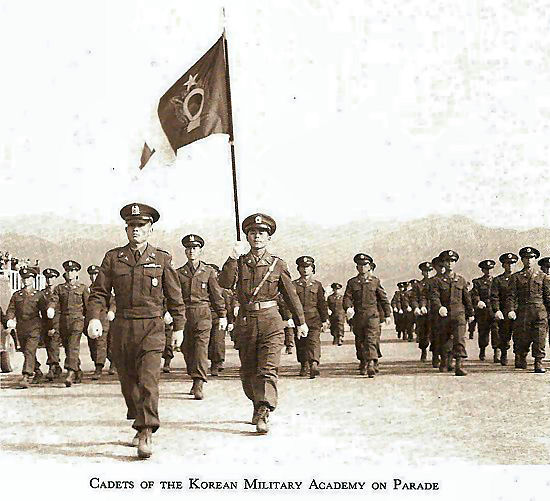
11, 323
239, 249
290, 323
168, 318
409, 309
302, 331
387, 321
481, 305
236, 311
401, 312
349, 313
95, 329
471, 319
417, 311
512, 315
443, 311
230, 327
325, 325
499, 315
50, 312
110, 315
223, 324
51, 332
395, 309
424, 310
177, 338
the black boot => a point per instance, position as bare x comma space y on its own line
37, 379
370, 368
70, 379
97, 373
166, 366
450, 362
443, 363
196, 390
304, 369
424, 355
459, 371
539, 369
314, 370
362, 367
50, 376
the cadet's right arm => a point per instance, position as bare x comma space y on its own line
347, 302
287, 289
228, 275
474, 293
511, 297
495, 295
435, 298
172, 293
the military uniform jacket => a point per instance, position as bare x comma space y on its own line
252, 272
364, 294
420, 293
139, 288
201, 288
451, 291
312, 297
283, 308
396, 300
335, 304
500, 290
48, 300
481, 291
230, 303
25, 307
529, 287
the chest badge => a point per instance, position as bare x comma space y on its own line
154, 281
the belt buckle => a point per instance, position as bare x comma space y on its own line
257, 306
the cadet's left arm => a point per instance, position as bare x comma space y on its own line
172, 293
100, 292
216, 296
546, 293
85, 299
287, 289
383, 299
322, 306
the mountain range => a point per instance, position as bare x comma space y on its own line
396, 247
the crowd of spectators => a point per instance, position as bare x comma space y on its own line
9, 262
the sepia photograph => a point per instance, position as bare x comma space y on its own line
294, 249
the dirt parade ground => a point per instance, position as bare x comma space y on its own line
409, 413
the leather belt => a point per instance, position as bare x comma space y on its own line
259, 305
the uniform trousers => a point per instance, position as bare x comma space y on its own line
506, 333
168, 353
29, 344
423, 331
70, 331
289, 337
52, 343
487, 325
195, 340
99, 347
530, 330
308, 349
137, 349
216, 344
452, 335
366, 328
337, 327
434, 329
260, 340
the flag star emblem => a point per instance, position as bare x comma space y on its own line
192, 80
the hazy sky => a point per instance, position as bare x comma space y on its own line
342, 110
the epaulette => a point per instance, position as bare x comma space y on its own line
163, 251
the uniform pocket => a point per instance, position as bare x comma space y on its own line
153, 281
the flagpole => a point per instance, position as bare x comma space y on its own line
231, 137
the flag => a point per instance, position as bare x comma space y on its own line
197, 105
146, 154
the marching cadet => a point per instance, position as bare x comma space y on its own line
398, 309
23, 313
528, 301
500, 289
484, 314
449, 296
290, 327
312, 297
100, 348
200, 291
50, 335
337, 317
420, 305
142, 277
361, 302
259, 277
433, 316
70, 303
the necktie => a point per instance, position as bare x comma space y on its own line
137, 255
